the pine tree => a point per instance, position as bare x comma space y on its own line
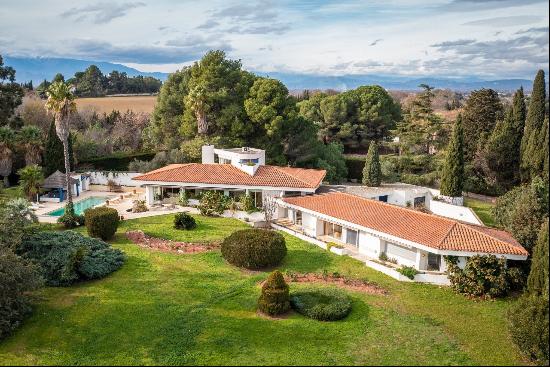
532, 159
53, 153
452, 179
372, 173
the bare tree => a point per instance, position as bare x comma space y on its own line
269, 206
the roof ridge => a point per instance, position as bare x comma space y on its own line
447, 234
278, 168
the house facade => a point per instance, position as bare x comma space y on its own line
234, 172
388, 237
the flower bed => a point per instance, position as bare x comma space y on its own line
154, 243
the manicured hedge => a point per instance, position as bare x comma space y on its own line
254, 248
115, 162
101, 222
321, 304
67, 257
275, 299
184, 221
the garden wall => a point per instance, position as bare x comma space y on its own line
121, 178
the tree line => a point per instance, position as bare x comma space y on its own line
93, 83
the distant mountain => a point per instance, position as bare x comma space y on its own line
36, 69
39, 68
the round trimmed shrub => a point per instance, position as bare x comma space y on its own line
101, 222
184, 221
274, 299
254, 248
321, 304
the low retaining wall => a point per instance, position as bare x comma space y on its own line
120, 178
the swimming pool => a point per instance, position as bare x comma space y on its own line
80, 206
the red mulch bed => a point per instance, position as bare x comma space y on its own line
338, 280
153, 243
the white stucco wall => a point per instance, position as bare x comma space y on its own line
453, 211
403, 255
370, 245
309, 224
121, 178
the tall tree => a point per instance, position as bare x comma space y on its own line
421, 129
529, 315
498, 158
53, 152
11, 93
372, 173
480, 115
532, 159
61, 103
7, 139
29, 140
452, 178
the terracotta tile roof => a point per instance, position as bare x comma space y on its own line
425, 229
226, 174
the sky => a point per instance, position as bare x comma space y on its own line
485, 38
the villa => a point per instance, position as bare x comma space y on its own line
235, 172
361, 224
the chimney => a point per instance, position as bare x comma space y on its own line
207, 154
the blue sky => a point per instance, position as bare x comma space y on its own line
486, 38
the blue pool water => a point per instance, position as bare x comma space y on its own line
80, 206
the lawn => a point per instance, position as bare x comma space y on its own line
483, 209
196, 309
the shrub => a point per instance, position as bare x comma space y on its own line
247, 202
183, 199
321, 304
335, 245
101, 222
139, 206
18, 276
212, 203
528, 320
408, 271
383, 256
483, 276
254, 248
67, 257
184, 221
70, 219
275, 299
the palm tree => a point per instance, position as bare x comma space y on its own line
196, 101
30, 180
61, 104
30, 141
7, 137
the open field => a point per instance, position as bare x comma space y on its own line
107, 104
192, 309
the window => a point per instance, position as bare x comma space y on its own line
383, 198
298, 217
419, 201
351, 237
434, 262
332, 230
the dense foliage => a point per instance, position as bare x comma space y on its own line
67, 257
529, 316
184, 221
372, 173
323, 304
212, 203
101, 222
18, 276
483, 276
53, 153
452, 177
254, 248
11, 93
522, 210
275, 298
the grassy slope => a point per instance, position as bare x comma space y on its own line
483, 210
195, 309
11, 193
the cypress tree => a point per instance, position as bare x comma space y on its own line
372, 172
546, 152
532, 159
452, 179
537, 283
53, 153
519, 111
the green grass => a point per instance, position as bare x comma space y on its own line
162, 308
483, 210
